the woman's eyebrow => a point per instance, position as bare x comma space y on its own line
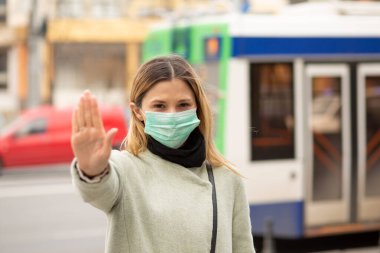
185, 100
157, 101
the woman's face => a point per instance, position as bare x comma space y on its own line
166, 96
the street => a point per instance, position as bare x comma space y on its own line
40, 212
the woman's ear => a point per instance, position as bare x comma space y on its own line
136, 111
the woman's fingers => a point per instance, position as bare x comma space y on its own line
80, 114
109, 137
88, 113
74, 121
96, 115
87, 109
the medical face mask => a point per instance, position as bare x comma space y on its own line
171, 129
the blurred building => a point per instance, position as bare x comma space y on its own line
50, 51
13, 76
96, 45
92, 45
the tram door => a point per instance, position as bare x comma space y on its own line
368, 80
327, 144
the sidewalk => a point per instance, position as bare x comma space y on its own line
363, 250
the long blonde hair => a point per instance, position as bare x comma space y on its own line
166, 68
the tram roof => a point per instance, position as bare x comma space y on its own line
305, 26
306, 20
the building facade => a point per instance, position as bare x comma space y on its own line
50, 51
13, 57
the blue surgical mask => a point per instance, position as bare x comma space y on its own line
171, 129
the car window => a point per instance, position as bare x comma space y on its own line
36, 126
11, 125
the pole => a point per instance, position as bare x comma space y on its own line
269, 243
34, 59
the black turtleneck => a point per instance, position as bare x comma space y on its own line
191, 154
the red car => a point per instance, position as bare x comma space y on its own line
42, 136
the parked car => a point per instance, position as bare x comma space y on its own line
42, 136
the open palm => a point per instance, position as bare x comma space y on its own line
90, 143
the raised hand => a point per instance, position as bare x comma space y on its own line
90, 143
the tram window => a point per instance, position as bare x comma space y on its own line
3, 69
272, 114
373, 135
327, 137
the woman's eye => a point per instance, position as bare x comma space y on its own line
184, 104
159, 106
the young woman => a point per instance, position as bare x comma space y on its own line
169, 190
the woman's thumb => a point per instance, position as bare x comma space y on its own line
110, 135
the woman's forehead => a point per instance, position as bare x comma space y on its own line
170, 89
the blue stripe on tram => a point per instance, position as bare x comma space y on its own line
286, 218
258, 46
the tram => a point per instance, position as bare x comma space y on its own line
297, 110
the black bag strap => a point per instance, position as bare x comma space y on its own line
214, 208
